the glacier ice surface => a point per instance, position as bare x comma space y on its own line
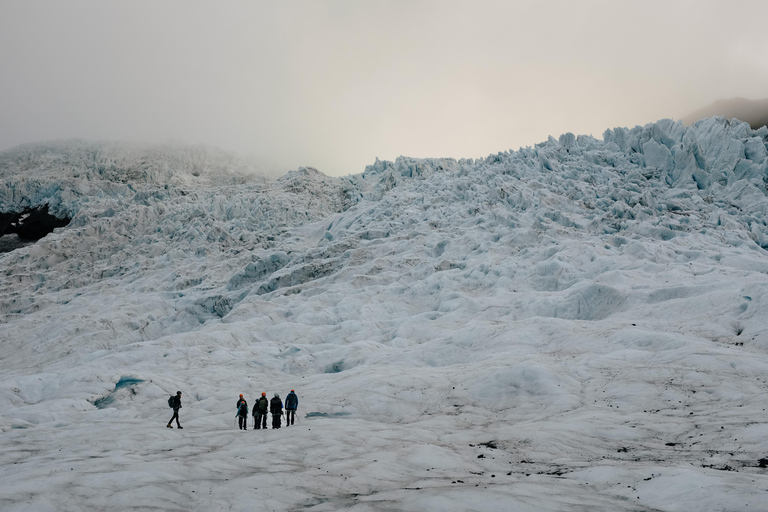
578, 325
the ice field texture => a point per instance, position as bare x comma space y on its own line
576, 326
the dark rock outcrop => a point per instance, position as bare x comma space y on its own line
31, 224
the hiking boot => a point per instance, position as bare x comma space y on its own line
179, 426
169, 425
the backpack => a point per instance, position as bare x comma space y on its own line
263, 405
170, 401
242, 410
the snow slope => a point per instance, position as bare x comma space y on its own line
575, 326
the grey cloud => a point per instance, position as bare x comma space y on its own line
336, 84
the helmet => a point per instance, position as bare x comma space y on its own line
291, 391
241, 395
277, 396
263, 394
178, 392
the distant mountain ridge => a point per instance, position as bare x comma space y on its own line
753, 112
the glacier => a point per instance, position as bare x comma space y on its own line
578, 325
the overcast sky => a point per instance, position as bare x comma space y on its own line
335, 84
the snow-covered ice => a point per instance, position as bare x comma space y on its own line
580, 325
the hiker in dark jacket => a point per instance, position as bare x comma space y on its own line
276, 408
260, 410
176, 406
291, 404
242, 413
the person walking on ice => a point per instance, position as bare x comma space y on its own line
276, 408
291, 404
175, 403
242, 413
260, 410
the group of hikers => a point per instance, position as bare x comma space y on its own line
262, 406
260, 410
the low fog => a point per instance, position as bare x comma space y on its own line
336, 84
